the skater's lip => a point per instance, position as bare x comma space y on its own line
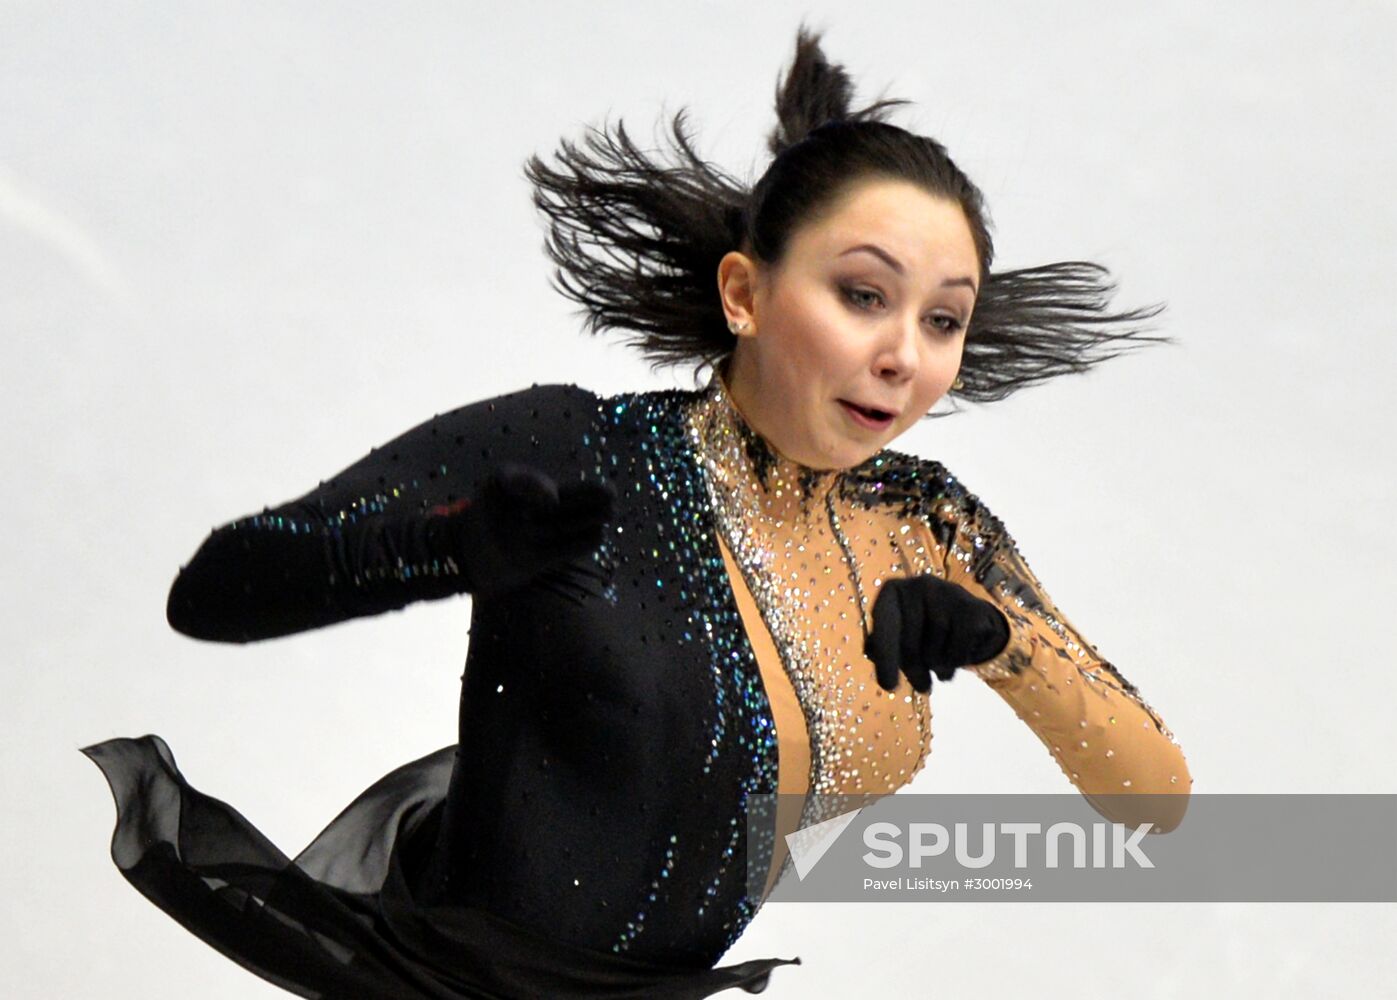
876, 411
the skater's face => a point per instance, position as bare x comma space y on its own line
859, 329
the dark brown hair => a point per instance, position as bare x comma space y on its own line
636, 241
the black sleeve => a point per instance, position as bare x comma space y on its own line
375, 538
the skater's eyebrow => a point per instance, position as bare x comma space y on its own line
896, 265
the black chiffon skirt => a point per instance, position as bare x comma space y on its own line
340, 920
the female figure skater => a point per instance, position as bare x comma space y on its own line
679, 599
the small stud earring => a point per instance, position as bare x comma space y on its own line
737, 328
957, 384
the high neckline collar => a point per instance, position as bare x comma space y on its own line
759, 461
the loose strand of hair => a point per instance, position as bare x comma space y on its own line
1037, 323
633, 239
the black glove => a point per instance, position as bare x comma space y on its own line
521, 523
925, 625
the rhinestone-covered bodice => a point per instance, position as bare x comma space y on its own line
812, 556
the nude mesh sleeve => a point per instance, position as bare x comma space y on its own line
1103, 734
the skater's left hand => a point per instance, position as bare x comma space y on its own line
924, 625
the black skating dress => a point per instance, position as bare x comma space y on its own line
587, 834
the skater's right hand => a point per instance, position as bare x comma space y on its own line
520, 523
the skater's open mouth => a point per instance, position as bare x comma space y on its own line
868, 416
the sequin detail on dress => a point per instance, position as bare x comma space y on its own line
978, 542
789, 528
741, 738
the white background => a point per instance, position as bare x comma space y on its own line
241, 243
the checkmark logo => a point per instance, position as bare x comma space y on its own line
809, 845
